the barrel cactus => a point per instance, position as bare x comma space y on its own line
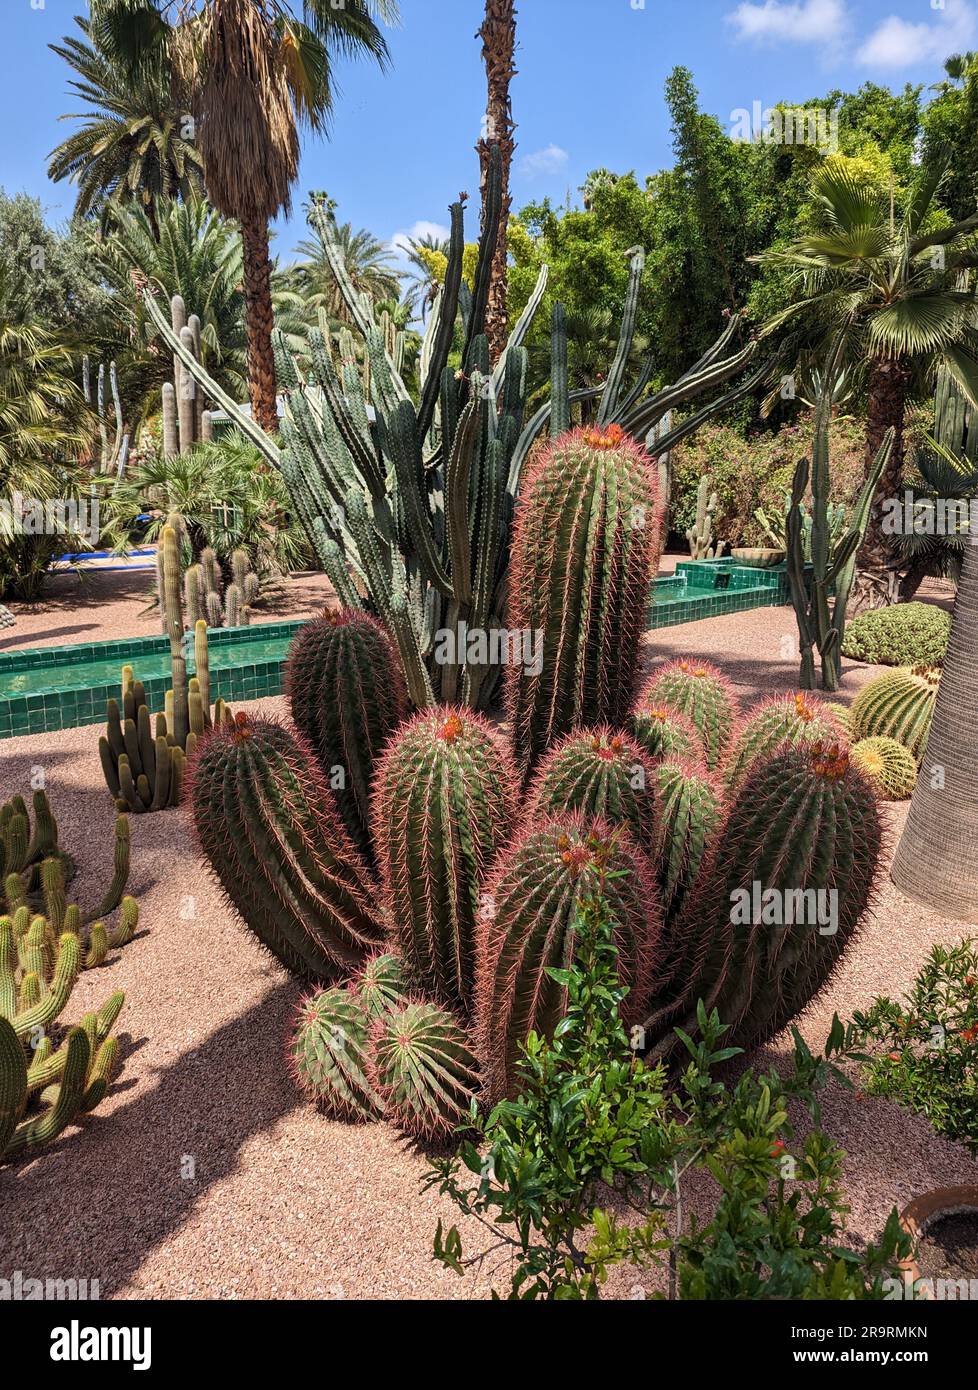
690, 809
443, 808
381, 984
599, 773
347, 696
665, 732
420, 1063
700, 691
782, 900
898, 705
841, 715
527, 929
800, 718
586, 541
268, 826
889, 765
328, 1054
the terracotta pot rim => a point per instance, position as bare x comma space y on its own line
920, 1214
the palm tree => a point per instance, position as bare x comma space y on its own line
254, 72
195, 253
935, 862
886, 277
135, 145
423, 284
498, 34
366, 261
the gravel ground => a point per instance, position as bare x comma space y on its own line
204, 1176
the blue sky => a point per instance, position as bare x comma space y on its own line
588, 93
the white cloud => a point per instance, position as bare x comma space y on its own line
897, 43
791, 21
400, 242
542, 163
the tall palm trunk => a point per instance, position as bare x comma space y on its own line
259, 322
498, 34
936, 861
889, 382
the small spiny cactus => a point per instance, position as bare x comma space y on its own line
420, 1063
328, 1055
889, 765
690, 810
665, 732
800, 718
700, 691
599, 773
898, 705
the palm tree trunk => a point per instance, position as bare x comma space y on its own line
259, 322
889, 382
498, 34
935, 862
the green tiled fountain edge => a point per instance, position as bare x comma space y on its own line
710, 588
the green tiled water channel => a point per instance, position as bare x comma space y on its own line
51, 688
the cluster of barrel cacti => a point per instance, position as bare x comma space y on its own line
425, 874
143, 755
410, 512
50, 1075
35, 874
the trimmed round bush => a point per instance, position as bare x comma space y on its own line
906, 634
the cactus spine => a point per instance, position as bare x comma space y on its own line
898, 705
267, 824
442, 811
890, 767
328, 1055
347, 696
701, 692
800, 718
690, 811
421, 1064
527, 929
586, 541
664, 732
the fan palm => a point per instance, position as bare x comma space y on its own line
423, 284
195, 253
367, 264
254, 71
884, 281
136, 144
936, 546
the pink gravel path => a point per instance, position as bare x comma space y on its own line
283, 1203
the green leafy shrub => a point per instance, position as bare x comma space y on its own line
592, 1120
923, 1052
906, 634
748, 474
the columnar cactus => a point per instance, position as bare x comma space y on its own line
798, 718
889, 765
898, 705
700, 691
665, 732
782, 899
586, 542
527, 928
690, 810
347, 695
420, 1063
209, 601
328, 1055
599, 773
443, 808
268, 826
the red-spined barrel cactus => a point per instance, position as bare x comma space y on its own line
600, 773
443, 808
783, 899
270, 829
690, 809
347, 696
700, 691
381, 985
328, 1055
585, 545
900, 705
800, 718
422, 1066
527, 928
665, 732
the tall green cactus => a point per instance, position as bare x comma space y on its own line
409, 515
444, 803
267, 824
347, 696
587, 539
781, 901
527, 930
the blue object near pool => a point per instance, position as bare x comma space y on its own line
51, 688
